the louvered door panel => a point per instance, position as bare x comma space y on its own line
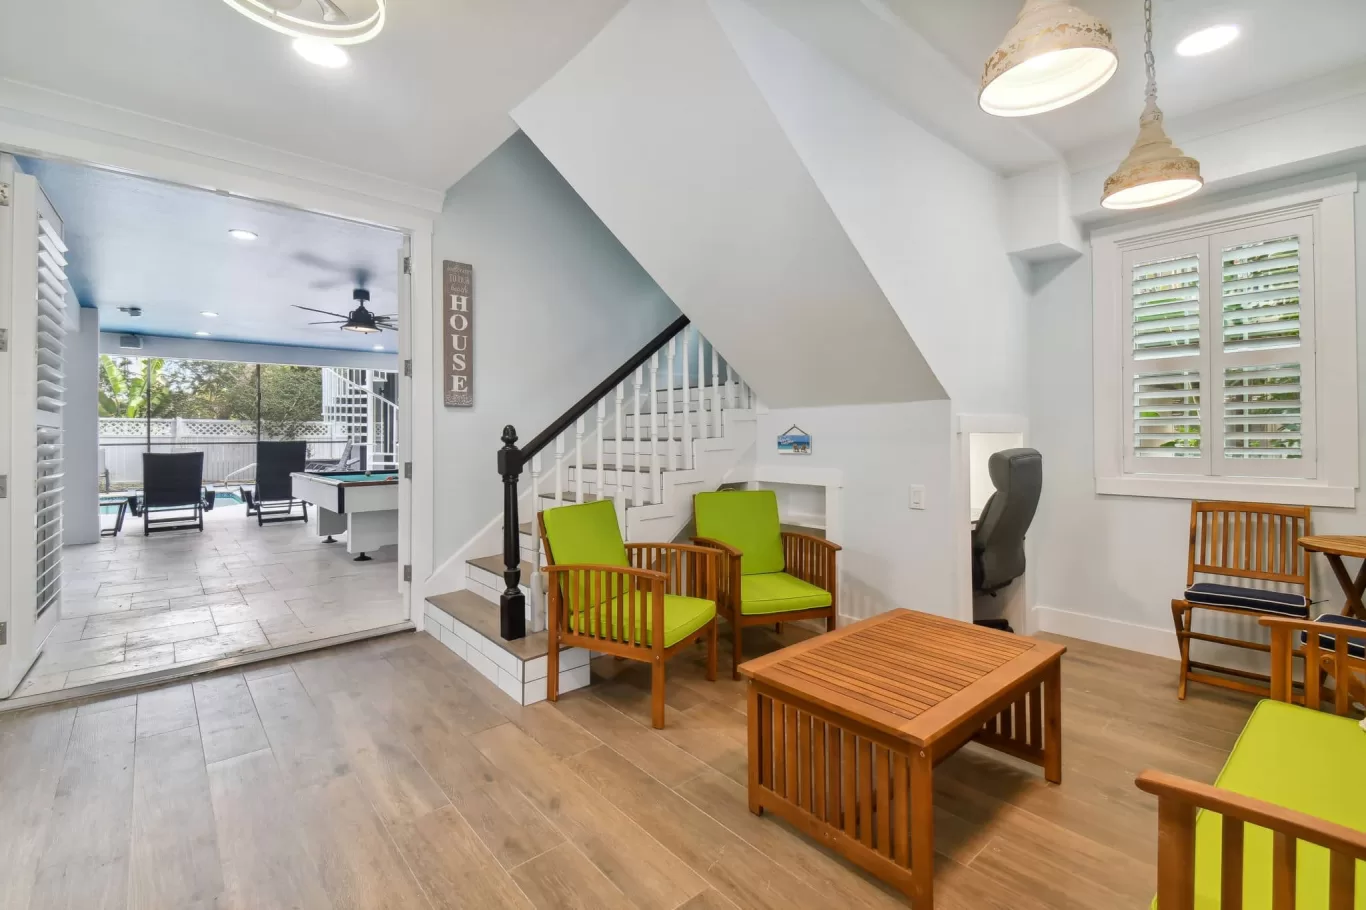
49, 399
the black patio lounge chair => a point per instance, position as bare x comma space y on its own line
172, 482
352, 459
273, 499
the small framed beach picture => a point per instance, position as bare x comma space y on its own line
795, 441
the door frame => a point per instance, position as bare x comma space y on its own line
222, 168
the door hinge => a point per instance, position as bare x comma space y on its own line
4, 486
4, 340
4, 194
407, 573
407, 368
407, 470
4, 633
407, 265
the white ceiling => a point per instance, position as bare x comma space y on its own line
165, 248
421, 104
1282, 42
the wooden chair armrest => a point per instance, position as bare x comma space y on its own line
1253, 811
1338, 661
717, 545
644, 574
692, 571
821, 541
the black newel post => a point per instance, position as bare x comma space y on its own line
512, 605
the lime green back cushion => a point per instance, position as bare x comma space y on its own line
1296, 758
585, 535
748, 521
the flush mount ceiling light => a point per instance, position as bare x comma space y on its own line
240, 234
321, 53
202, 334
1156, 171
1054, 54
1207, 40
208, 314
379, 347
331, 21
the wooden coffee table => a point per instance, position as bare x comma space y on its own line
845, 730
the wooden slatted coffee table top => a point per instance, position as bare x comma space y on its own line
909, 674
1341, 544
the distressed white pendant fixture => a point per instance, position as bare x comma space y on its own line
1156, 171
1055, 54
332, 21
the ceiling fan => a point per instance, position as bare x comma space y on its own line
358, 320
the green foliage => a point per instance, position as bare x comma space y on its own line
123, 385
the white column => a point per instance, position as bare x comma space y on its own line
701, 385
687, 404
715, 392
654, 426
578, 459
602, 420
620, 431
669, 420
636, 416
732, 392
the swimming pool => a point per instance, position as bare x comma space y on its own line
109, 502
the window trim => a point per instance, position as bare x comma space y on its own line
1330, 203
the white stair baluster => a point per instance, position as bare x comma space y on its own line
635, 410
715, 391
559, 470
537, 600
602, 419
732, 393
669, 420
654, 426
701, 386
578, 459
619, 458
687, 405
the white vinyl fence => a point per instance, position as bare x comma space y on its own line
229, 446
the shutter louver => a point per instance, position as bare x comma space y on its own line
1166, 414
1262, 408
50, 393
1261, 295
1166, 308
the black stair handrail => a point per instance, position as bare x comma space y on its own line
512, 459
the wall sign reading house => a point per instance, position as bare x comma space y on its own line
457, 317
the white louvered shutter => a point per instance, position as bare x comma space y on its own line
1164, 373
1264, 362
50, 398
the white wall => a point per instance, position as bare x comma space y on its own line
892, 556
243, 352
558, 305
80, 430
1107, 567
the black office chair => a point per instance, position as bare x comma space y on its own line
273, 499
173, 482
998, 553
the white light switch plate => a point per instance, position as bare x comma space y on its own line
917, 497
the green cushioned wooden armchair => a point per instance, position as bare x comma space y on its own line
768, 575
640, 601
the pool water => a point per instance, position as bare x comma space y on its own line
109, 502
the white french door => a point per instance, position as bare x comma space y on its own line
35, 315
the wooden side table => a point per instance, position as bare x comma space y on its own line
1334, 547
845, 730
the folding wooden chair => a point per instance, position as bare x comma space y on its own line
1241, 541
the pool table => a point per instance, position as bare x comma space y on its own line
362, 504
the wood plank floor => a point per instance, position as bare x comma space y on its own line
388, 774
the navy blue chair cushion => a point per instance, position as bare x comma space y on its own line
1355, 646
1248, 599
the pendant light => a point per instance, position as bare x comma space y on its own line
1054, 54
1155, 172
327, 23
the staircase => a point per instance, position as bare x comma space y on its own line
673, 420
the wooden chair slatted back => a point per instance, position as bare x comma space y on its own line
1249, 540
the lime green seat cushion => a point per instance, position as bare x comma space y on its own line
748, 521
778, 592
682, 617
1300, 759
585, 535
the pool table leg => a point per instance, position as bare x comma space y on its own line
329, 539
361, 558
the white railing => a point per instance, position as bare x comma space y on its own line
684, 378
370, 419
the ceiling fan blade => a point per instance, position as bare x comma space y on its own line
341, 316
331, 322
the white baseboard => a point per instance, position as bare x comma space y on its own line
1113, 632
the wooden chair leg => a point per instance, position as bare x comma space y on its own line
552, 666
657, 694
1181, 619
711, 649
830, 623
737, 656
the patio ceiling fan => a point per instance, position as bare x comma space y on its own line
358, 320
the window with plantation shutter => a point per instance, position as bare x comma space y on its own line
1226, 354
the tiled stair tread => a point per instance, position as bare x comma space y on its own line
494, 564
587, 497
527, 527
482, 616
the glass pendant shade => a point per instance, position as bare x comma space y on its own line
333, 21
1155, 172
1054, 54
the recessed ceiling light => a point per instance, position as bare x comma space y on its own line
241, 234
1207, 40
322, 53
379, 347
208, 314
202, 334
